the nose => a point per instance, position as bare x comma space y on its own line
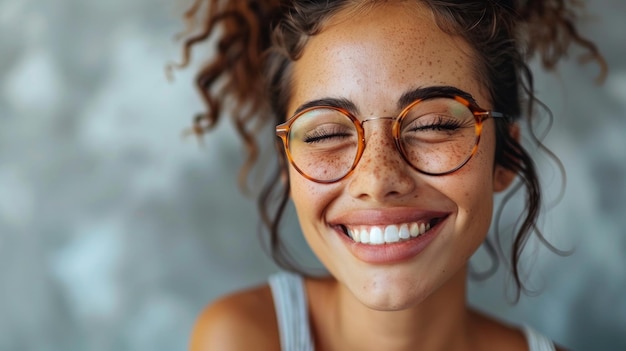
381, 172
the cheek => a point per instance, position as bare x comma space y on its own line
309, 198
477, 177
300, 191
473, 193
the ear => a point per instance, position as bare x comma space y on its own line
502, 177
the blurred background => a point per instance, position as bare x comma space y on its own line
115, 231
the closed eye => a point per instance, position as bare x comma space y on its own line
435, 124
320, 135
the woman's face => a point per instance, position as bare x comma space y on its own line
372, 58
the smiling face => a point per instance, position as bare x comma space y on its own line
433, 224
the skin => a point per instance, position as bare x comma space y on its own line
416, 302
383, 189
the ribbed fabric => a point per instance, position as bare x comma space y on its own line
290, 301
536, 341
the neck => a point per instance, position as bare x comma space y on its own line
440, 322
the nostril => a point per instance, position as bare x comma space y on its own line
378, 184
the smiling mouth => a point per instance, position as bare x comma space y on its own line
388, 234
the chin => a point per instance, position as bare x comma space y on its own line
390, 301
385, 291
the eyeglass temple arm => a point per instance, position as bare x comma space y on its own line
494, 114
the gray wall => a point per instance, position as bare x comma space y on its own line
115, 231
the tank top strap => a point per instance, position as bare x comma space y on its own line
537, 341
290, 302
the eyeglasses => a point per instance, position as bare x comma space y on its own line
436, 136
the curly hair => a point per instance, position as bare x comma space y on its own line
259, 40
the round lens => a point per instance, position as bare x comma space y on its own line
438, 135
323, 144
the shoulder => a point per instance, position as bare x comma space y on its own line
241, 321
497, 335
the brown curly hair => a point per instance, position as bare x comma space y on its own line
257, 42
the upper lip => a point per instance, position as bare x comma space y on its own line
387, 216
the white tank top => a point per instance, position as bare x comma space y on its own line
290, 301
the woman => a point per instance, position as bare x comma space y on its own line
398, 122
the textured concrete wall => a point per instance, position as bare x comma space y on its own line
115, 231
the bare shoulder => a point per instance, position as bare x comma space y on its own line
241, 321
492, 334
500, 336
496, 335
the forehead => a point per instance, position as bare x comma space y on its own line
375, 54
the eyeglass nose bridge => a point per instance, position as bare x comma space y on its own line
394, 133
376, 118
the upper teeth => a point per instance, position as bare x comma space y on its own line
377, 235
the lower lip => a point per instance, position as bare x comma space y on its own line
393, 252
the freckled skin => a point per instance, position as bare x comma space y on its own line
371, 60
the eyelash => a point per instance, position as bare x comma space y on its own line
439, 124
319, 135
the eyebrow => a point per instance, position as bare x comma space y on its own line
430, 92
408, 97
331, 102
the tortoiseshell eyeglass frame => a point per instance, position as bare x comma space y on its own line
480, 115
